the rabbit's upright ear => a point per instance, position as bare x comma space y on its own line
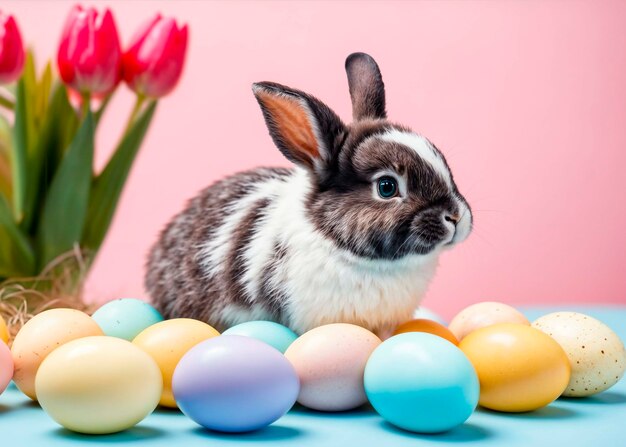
367, 89
305, 130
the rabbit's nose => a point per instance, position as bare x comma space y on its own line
452, 218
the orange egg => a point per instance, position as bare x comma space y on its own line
519, 367
429, 326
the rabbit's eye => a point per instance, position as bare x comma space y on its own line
387, 187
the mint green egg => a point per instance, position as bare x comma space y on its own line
126, 318
274, 334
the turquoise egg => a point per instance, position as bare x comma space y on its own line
274, 334
126, 317
421, 383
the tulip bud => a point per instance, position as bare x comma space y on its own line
11, 50
90, 57
154, 61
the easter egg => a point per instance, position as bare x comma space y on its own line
126, 317
519, 367
596, 354
425, 313
4, 331
6, 366
166, 342
330, 361
274, 334
428, 326
98, 385
232, 383
421, 382
40, 336
482, 315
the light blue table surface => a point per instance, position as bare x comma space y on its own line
595, 421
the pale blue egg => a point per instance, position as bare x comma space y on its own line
274, 334
421, 382
126, 318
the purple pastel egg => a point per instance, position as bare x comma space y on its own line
233, 383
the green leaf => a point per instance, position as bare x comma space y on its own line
43, 93
16, 254
63, 219
58, 127
24, 138
19, 152
107, 187
6, 189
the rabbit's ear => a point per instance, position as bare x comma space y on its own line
367, 89
305, 130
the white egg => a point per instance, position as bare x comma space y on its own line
595, 352
423, 312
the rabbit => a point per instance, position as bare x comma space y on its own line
351, 234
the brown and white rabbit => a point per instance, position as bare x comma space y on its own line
352, 234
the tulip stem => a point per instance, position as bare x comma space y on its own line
6, 102
86, 104
133, 115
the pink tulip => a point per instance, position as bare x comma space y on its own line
90, 57
154, 61
11, 50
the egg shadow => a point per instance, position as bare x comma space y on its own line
551, 412
168, 411
467, 432
134, 434
604, 398
362, 411
273, 433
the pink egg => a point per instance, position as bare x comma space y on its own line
330, 361
6, 366
484, 314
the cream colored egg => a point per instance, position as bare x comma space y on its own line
330, 361
596, 354
484, 314
98, 385
40, 336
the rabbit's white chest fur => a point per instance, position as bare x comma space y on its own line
320, 283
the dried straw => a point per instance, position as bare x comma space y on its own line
60, 284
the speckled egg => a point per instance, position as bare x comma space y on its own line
40, 336
330, 361
484, 314
596, 354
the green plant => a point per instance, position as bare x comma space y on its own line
55, 210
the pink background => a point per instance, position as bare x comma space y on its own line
526, 99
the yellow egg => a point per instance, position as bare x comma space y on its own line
167, 342
40, 336
484, 314
519, 367
98, 385
4, 331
